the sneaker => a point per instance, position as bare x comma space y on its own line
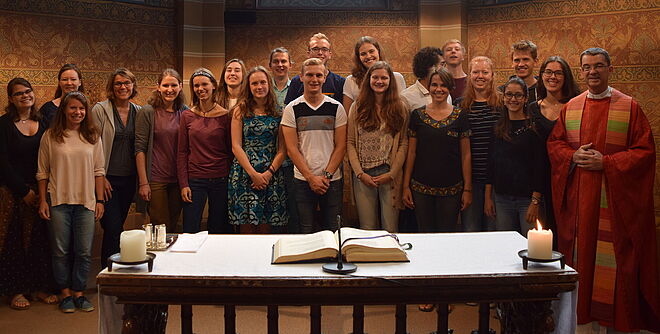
67, 305
84, 304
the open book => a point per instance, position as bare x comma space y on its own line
323, 245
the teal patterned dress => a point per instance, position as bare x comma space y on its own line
248, 205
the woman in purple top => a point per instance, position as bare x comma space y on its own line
69, 79
204, 156
156, 138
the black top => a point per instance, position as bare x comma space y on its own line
122, 156
438, 153
482, 120
48, 111
543, 125
18, 156
517, 167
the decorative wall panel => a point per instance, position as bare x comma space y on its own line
36, 45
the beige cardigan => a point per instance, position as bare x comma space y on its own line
397, 155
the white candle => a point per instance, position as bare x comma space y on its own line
539, 243
132, 246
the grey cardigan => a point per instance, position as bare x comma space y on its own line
104, 119
144, 133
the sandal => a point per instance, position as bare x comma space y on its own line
426, 307
19, 302
46, 298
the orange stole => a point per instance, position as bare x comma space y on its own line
618, 118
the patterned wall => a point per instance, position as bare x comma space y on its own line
627, 29
98, 37
396, 32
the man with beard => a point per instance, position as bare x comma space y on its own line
603, 168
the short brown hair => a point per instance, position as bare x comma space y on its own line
310, 62
124, 72
525, 45
445, 77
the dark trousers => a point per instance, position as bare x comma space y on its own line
291, 204
215, 191
116, 210
330, 204
436, 213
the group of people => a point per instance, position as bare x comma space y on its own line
269, 153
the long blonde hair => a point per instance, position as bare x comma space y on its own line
494, 100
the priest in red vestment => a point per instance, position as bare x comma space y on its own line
603, 166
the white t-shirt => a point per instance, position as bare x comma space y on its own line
316, 131
352, 90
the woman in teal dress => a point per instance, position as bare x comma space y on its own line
257, 197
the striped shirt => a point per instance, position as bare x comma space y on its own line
316, 132
482, 121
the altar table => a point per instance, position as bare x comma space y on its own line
444, 268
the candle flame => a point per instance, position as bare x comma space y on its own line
538, 225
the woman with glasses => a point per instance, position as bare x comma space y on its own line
555, 88
367, 52
231, 80
204, 156
70, 179
115, 119
517, 169
483, 102
69, 79
156, 137
25, 261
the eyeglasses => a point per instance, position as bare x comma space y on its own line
549, 73
597, 67
123, 83
517, 96
317, 49
25, 92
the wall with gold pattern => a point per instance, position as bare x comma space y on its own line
626, 29
38, 37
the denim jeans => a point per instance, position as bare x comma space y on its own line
71, 221
330, 204
436, 213
473, 217
291, 204
114, 216
215, 190
510, 213
374, 205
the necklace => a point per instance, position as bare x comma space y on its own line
207, 111
23, 121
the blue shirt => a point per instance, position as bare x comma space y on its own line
333, 87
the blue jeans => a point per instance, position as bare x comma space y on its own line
77, 222
330, 204
215, 190
473, 217
510, 213
115, 213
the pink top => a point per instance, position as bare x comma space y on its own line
166, 134
204, 147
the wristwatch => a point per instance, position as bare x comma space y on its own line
100, 201
327, 175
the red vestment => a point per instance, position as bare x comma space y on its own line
629, 178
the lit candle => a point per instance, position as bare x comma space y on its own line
539, 243
132, 246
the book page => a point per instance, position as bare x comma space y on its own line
384, 242
296, 247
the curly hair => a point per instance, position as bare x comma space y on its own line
424, 60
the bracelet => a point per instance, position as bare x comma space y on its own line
144, 184
271, 169
359, 175
467, 190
